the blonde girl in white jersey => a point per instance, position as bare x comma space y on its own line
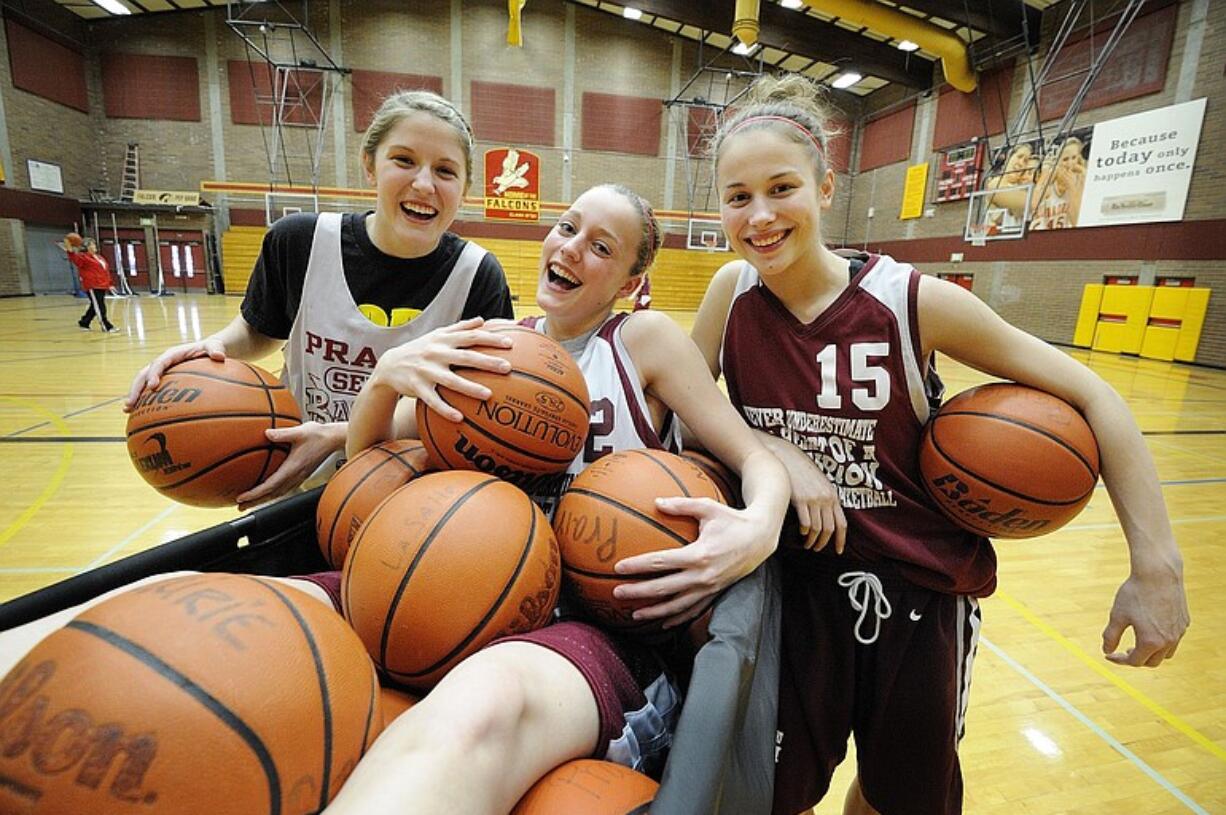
511, 712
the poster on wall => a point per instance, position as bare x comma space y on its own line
913, 191
958, 172
1142, 166
45, 176
1002, 208
512, 185
1060, 181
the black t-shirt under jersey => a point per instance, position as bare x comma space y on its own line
379, 283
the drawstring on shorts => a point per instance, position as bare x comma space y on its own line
863, 589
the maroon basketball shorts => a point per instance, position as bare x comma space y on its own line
638, 703
865, 652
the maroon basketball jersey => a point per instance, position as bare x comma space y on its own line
850, 390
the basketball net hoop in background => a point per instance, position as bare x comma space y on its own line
707, 235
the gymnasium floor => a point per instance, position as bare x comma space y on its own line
1053, 728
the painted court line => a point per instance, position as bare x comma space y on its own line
105, 556
57, 478
1162, 781
1102, 670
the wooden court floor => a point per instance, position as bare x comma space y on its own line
1053, 728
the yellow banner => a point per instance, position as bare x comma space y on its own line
515, 34
913, 192
171, 197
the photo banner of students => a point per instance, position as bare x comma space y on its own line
1142, 166
1060, 182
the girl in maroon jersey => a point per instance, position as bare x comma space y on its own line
829, 357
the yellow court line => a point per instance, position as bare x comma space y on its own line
56, 479
1155, 708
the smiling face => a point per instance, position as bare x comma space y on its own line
586, 260
1021, 162
770, 199
418, 174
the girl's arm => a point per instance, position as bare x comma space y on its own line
818, 511
731, 543
1152, 599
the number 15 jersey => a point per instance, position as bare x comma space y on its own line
850, 390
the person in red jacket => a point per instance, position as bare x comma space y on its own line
95, 279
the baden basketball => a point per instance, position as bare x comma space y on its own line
356, 488
723, 476
535, 422
199, 438
224, 694
589, 787
609, 513
1008, 461
444, 565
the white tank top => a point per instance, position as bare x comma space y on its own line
333, 347
620, 418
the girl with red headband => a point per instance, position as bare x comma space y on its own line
830, 356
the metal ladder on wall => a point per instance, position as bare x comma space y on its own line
131, 173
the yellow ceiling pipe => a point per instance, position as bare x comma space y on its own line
901, 26
745, 23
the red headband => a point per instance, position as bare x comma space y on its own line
771, 118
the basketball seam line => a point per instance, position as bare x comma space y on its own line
662, 466
632, 511
1007, 420
199, 416
262, 385
1006, 490
370, 709
272, 416
494, 608
321, 675
206, 699
219, 463
392, 456
421, 553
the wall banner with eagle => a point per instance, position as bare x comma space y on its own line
512, 185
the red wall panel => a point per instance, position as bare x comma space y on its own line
960, 116
626, 124
46, 68
370, 88
144, 86
887, 139
255, 79
1136, 67
513, 114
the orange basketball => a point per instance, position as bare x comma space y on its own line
590, 787
609, 513
534, 423
1008, 461
444, 565
727, 481
395, 702
355, 490
199, 438
216, 693
73, 239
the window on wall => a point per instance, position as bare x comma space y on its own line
1176, 282
370, 88
513, 114
887, 139
1120, 280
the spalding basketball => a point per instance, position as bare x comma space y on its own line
224, 694
358, 487
535, 422
199, 438
444, 565
590, 787
1008, 461
609, 513
723, 476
